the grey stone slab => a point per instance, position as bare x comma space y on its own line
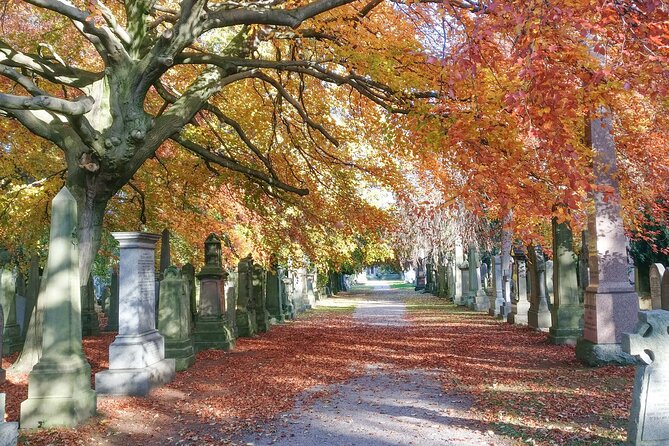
655, 278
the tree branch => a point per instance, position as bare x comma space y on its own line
229, 163
79, 106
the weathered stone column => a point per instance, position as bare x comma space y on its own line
59, 385
212, 329
567, 312
246, 306
521, 306
274, 305
479, 299
464, 282
137, 356
112, 313
11, 334
459, 292
259, 292
611, 303
538, 316
174, 319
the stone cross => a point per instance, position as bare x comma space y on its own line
655, 278
137, 356
59, 385
649, 416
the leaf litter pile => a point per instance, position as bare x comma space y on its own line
521, 386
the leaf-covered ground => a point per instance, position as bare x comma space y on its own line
522, 387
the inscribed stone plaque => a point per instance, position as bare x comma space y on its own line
655, 277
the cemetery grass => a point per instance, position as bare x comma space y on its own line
519, 385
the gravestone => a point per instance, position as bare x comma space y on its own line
90, 324
583, 268
3, 372
165, 261
521, 305
649, 416
567, 311
212, 328
259, 292
549, 282
421, 279
464, 281
174, 319
458, 292
106, 297
300, 300
497, 301
611, 302
539, 315
11, 335
137, 356
310, 289
484, 274
655, 278
231, 302
273, 290
112, 314
664, 291
32, 290
20, 299
9, 431
286, 289
188, 274
478, 298
59, 385
246, 311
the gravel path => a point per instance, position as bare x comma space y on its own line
385, 407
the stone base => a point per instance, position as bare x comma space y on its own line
90, 324
59, 394
480, 302
596, 355
246, 323
9, 433
567, 325
182, 352
564, 336
540, 319
135, 382
212, 333
262, 321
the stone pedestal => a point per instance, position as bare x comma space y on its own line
59, 385
112, 312
137, 356
539, 315
611, 303
650, 397
521, 305
246, 311
567, 311
212, 329
174, 319
11, 334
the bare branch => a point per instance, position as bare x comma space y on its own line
22, 80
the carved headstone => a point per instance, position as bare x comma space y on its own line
246, 311
649, 416
655, 277
59, 385
274, 306
259, 292
478, 298
538, 316
464, 281
458, 292
137, 356
664, 291
174, 318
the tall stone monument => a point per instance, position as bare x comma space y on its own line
59, 385
521, 306
90, 324
479, 299
458, 259
567, 311
273, 294
648, 424
212, 328
231, 301
32, 289
539, 315
464, 281
174, 319
246, 306
259, 292
611, 303
497, 302
188, 274
11, 334
112, 313
137, 356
